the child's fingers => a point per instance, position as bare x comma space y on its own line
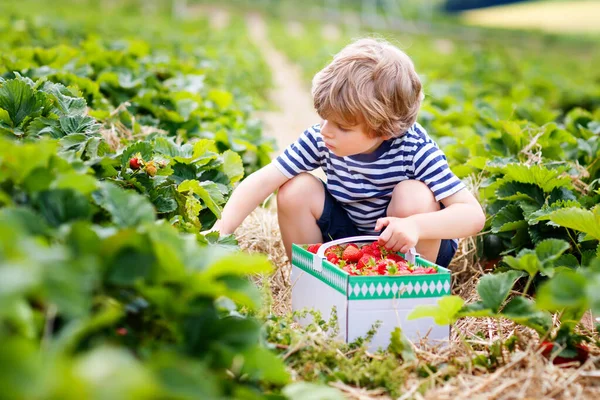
384, 237
381, 223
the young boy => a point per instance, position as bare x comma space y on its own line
383, 171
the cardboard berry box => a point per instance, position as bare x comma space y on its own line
360, 300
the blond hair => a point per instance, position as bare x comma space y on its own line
369, 81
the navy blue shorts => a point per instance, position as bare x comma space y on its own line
336, 224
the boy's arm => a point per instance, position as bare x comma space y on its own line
462, 217
247, 196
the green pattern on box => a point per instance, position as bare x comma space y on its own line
331, 275
376, 287
399, 287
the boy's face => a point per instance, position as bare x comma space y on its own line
348, 140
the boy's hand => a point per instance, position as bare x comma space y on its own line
400, 235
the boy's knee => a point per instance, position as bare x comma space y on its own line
412, 197
294, 191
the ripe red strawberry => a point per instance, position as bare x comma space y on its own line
351, 254
332, 258
135, 163
313, 248
430, 270
395, 257
582, 353
420, 270
337, 250
365, 261
350, 269
382, 268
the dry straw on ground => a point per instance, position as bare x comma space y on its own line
524, 375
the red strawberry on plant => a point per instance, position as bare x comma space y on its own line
351, 254
135, 163
581, 353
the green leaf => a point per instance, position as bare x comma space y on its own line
551, 249
222, 98
262, 365
65, 103
306, 390
509, 218
444, 313
586, 221
515, 191
207, 191
233, 166
18, 99
526, 261
547, 179
84, 184
565, 290
79, 124
495, 288
59, 206
127, 209
239, 264
524, 312
167, 147
401, 346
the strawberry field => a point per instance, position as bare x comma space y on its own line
123, 132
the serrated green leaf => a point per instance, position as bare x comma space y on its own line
127, 208
509, 218
495, 288
65, 103
551, 249
207, 191
515, 191
79, 124
19, 101
524, 312
586, 221
546, 179
526, 261
233, 166
543, 214
444, 313
167, 147
59, 206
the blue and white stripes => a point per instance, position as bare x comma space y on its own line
363, 183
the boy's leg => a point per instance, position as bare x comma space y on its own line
299, 205
412, 197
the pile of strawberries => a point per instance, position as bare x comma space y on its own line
370, 259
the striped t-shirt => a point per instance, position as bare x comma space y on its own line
363, 183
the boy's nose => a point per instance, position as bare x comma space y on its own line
325, 132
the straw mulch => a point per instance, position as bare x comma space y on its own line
525, 374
